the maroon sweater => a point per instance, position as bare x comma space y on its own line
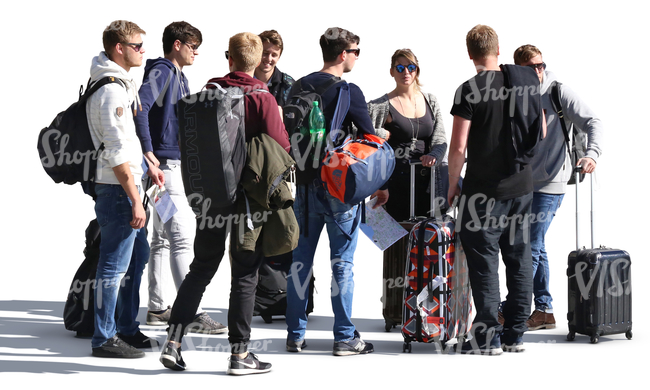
262, 115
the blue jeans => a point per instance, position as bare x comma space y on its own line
123, 254
544, 208
342, 247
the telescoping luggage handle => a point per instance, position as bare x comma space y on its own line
576, 172
433, 211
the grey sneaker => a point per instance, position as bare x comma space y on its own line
171, 357
206, 325
296, 346
160, 319
249, 365
355, 346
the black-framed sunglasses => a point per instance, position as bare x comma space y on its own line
537, 67
192, 46
136, 46
356, 51
410, 67
227, 55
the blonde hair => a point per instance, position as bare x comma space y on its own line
410, 56
119, 31
245, 49
482, 41
525, 53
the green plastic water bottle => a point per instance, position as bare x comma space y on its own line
316, 130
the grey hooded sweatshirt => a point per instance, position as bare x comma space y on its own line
553, 149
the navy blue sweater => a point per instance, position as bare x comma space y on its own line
156, 125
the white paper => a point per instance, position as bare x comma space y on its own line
380, 227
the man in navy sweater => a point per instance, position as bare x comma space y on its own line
340, 53
157, 127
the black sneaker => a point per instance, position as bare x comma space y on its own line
356, 346
159, 319
296, 346
116, 348
171, 357
139, 340
476, 347
509, 344
206, 325
249, 365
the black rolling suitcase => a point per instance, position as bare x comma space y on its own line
600, 290
271, 293
79, 309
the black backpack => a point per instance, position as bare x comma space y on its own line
296, 117
66, 148
213, 145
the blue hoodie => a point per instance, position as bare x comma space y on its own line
157, 126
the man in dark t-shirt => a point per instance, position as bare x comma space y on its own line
496, 196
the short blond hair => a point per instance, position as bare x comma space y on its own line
525, 53
482, 41
245, 49
119, 31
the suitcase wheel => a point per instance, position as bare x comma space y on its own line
628, 334
406, 347
594, 339
571, 336
267, 319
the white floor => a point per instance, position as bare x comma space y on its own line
33, 341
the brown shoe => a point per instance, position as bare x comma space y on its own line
540, 320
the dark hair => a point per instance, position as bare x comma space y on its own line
182, 31
334, 41
272, 37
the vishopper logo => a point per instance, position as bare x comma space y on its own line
489, 93
89, 285
59, 153
219, 93
613, 274
304, 158
207, 220
484, 218
341, 270
205, 341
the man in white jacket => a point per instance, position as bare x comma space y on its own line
552, 170
124, 249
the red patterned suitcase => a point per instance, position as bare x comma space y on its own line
437, 294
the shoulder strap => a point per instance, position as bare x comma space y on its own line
557, 106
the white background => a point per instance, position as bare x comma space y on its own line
599, 49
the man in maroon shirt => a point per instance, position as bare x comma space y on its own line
262, 116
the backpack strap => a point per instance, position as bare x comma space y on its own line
557, 106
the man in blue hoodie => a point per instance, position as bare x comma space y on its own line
157, 127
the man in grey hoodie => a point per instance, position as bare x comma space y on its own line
552, 170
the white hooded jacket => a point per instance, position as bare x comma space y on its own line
110, 119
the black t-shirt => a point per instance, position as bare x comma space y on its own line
481, 100
403, 130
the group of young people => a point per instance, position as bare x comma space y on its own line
138, 129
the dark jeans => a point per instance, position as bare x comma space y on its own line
209, 248
485, 229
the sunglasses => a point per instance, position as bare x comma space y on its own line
355, 51
410, 67
537, 67
227, 55
136, 46
192, 46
